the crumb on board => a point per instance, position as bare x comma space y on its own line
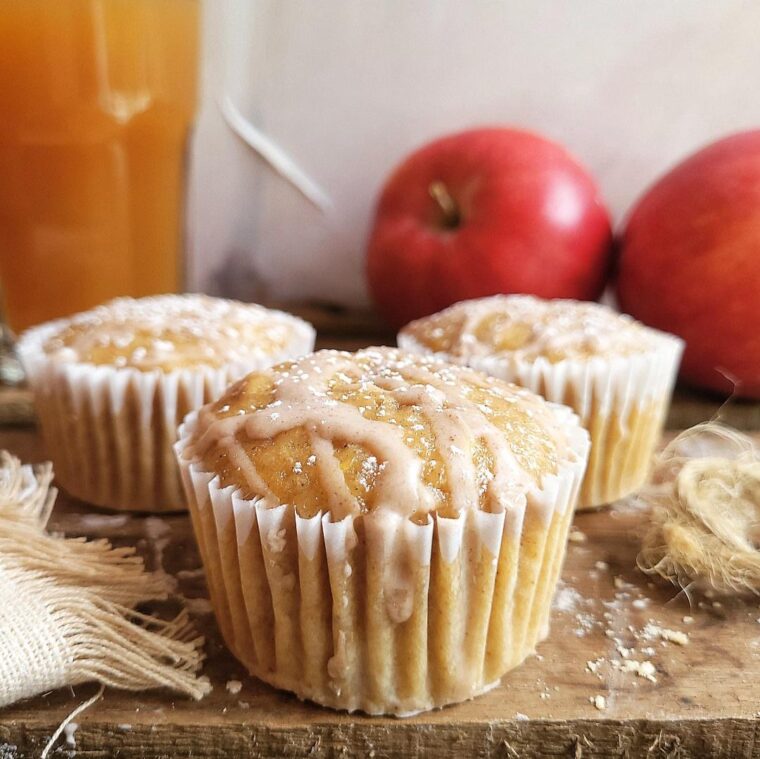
599, 701
576, 536
623, 651
652, 630
69, 731
567, 598
234, 687
644, 669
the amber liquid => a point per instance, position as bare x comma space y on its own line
97, 98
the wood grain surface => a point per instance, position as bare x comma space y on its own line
704, 702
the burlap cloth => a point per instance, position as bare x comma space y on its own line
67, 606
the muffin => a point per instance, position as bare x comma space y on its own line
112, 385
381, 531
615, 373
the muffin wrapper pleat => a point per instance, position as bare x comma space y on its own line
621, 400
378, 613
110, 431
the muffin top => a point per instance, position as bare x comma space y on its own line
168, 332
378, 430
526, 327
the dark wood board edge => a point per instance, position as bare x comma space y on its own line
582, 739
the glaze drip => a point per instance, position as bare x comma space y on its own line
368, 430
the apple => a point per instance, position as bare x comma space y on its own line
690, 263
482, 212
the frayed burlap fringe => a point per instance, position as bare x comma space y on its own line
67, 605
705, 528
26, 492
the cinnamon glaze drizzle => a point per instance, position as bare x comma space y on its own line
301, 398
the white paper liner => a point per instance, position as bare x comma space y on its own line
607, 393
110, 430
378, 613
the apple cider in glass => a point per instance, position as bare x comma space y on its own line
97, 99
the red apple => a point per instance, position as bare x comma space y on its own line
690, 262
483, 212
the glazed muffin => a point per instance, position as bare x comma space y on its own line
381, 531
614, 372
112, 385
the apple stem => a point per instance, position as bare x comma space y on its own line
441, 195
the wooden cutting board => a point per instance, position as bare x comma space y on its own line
703, 700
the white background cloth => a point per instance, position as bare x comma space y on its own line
346, 87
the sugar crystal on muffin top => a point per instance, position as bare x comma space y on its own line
169, 332
378, 430
526, 327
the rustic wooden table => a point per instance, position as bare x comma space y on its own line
703, 699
